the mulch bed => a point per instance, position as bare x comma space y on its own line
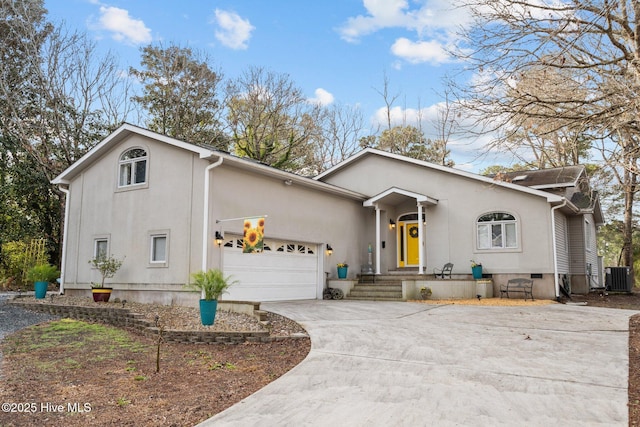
120, 387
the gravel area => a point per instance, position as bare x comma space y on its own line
13, 318
182, 318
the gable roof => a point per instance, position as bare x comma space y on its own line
126, 130
393, 194
551, 198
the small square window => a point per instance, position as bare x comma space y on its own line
159, 249
100, 248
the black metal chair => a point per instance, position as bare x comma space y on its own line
444, 272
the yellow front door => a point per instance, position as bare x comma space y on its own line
408, 251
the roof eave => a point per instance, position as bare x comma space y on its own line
288, 178
551, 198
124, 131
550, 186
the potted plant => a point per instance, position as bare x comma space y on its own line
211, 284
476, 270
41, 275
343, 269
107, 266
425, 292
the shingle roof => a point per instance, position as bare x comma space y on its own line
544, 178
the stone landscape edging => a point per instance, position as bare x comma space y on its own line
124, 318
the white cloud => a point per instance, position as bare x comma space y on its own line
434, 22
408, 117
382, 14
399, 116
424, 51
123, 27
322, 97
233, 31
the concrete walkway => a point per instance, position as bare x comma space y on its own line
410, 364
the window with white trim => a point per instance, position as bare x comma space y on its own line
100, 248
497, 230
159, 249
132, 167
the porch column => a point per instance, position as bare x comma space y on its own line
378, 244
420, 240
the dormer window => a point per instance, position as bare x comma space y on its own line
133, 168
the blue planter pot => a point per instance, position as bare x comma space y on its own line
342, 272
208, 311
41, 289
477, 272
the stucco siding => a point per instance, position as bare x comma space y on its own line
339, 209
128, 217
294, 213
451, 224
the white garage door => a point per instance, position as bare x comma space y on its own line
284, 271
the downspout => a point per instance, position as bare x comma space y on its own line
205, 218
378, 240
64, 238
555, 246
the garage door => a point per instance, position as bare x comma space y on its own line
284, 271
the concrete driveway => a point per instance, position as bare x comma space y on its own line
410, 364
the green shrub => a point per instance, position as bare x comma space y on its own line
107, 266
211, 282
43, 273
14, 260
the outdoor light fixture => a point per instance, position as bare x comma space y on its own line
329, 249
219, 238
392, 224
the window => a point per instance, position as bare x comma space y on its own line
133, 167
159, 248
100, 248
497, 230
587, 235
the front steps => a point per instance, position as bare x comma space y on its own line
380, 290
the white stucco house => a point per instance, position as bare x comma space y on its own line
160, 203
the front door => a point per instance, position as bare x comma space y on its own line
408, 250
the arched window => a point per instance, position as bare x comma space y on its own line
497, 230
133, 167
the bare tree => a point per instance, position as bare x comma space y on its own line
388, 98
534, 138
270, 119
58, 98
593, 43
340, 130
69, 101
445, 125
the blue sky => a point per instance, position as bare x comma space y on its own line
337, 51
